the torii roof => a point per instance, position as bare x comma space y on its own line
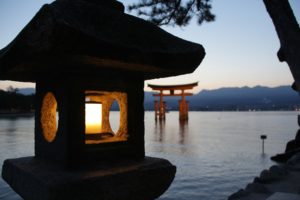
89, 37
185, 86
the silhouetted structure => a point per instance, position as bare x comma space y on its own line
83, 56
160, 106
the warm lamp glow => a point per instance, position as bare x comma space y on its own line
93, 118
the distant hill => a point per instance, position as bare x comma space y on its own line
13, 102
245, 98
233, 98
26, 91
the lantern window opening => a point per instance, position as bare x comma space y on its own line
98, 105
49, 117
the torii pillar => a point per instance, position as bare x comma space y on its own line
160, 106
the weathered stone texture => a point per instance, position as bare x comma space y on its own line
131, 180
48, 117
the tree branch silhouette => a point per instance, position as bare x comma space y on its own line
174, 12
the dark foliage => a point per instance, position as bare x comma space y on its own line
174, 12
11, 101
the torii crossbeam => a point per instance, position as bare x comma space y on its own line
160, 107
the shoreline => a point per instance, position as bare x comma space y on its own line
281, 181
278, 180
16, 114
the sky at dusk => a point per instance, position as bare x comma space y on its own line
241, 45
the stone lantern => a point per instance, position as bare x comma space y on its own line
84, 55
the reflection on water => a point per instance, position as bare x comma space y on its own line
183, 130
16, 140
216, 153
159, 130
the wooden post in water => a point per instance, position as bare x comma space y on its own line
263, 137
183, 107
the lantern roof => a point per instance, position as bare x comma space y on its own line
90, 37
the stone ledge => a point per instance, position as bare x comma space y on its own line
34, 179
280, 178
284, 196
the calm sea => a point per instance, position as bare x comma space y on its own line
216, 153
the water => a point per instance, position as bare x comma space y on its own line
216, 153
16, 140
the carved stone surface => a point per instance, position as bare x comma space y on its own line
69, 146
48, 117
107, 99
38, 180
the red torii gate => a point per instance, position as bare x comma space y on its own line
160, 107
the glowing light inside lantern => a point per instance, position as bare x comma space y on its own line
93, 118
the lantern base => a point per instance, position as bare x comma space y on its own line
35, 179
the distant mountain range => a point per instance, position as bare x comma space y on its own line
26, 91
234, 98
245, 98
